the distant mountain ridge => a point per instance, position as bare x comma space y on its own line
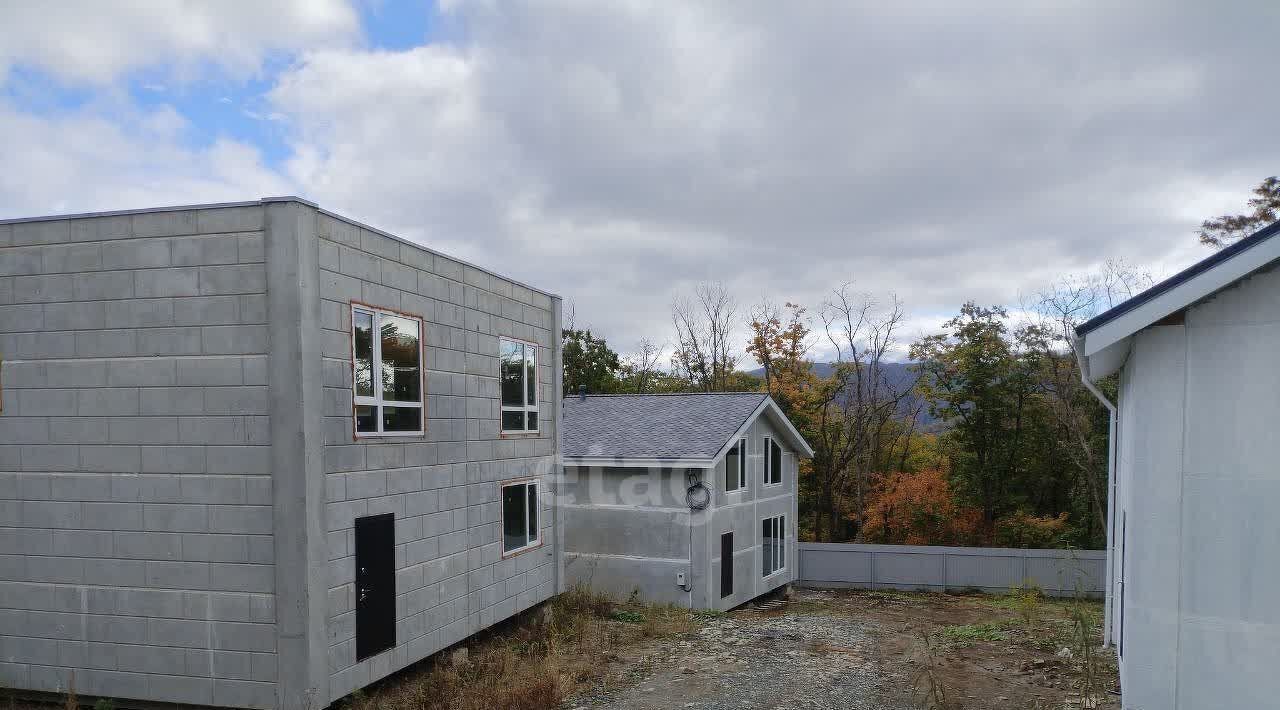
899, 375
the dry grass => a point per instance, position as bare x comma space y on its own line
71, 701
529, 663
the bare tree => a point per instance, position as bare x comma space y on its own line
641, 367
859, 405
704, 354
1078, 416
569, 317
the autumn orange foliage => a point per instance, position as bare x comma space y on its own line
919, 509
1022, 529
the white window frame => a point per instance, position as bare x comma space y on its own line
376, 400
742, 468
779, 551
533, 537
530, 349
768, 481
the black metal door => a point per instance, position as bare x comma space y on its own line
726, 564
375, 584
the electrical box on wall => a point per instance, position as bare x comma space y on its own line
680, 579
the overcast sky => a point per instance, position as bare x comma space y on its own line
617, 153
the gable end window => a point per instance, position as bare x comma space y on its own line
520, 517
772, 462
519, 383
774, 545
386, 369
735, 466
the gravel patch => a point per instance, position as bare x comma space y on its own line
752, 659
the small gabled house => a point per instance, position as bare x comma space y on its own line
1195, 538
260, 455
682, 498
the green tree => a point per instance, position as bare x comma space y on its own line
983, 380
589, 361
1229, 229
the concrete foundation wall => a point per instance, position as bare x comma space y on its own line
443, 487
135, 490
1198, 492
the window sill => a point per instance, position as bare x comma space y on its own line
522, 550
774, 573
519, 434
390, 435
771, 485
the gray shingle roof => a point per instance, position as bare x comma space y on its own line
661, 426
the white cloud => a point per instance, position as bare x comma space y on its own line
91, 42
87, 161
618, 153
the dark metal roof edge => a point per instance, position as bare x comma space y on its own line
630, 457
1179, 278
571, 395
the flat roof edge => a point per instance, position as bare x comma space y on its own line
147, 210
265, 201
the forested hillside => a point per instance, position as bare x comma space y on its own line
986, 437
899, 375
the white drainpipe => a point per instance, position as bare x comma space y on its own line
1113, 426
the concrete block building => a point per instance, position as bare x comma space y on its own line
687, 499
260, 455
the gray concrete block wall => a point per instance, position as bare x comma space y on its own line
173, 528
443, 487
135, 495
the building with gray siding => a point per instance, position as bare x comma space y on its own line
1195, 486
687, 499
215, 490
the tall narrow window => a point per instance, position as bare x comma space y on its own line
735, 466
520, 516
386, 368
773, 545
519, 376
772, 462
726, 564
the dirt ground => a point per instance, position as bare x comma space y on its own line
840, 649
856, 649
